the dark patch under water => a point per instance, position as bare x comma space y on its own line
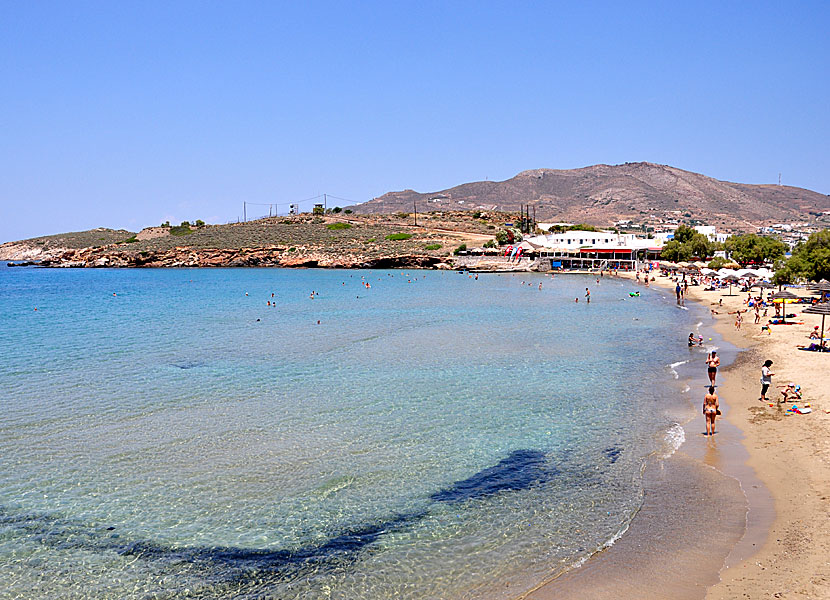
613, 453
188, 364
520, 470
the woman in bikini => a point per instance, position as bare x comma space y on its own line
713, 362
710, 410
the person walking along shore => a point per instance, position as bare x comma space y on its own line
711, 410
712, 362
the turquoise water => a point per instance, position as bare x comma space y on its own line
165, 433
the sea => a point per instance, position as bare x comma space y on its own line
270, 433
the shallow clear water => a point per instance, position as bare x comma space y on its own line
434, 436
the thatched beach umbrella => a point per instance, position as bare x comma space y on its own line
732, 277
782, 297
823, 310
820, 288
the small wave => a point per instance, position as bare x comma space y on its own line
699, 323
604, 546
674, 438
677, 364
686, 389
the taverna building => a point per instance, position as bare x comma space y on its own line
577, 249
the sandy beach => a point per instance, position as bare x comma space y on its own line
789, 453
779, 460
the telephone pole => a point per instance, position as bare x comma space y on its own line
415, 208
245, 212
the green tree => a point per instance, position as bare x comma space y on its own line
675, 251
700, 246
756, 249
811, 259
684, 234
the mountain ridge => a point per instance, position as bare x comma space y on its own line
601, 194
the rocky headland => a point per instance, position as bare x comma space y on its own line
330, 241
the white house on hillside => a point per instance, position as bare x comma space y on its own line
710, 232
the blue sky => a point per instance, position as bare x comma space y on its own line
129, 114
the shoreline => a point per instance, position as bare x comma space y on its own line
668, 550
787, 536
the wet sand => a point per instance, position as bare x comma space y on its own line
695, 519
785, 552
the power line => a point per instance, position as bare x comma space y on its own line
344, 199
285, 203
276, 205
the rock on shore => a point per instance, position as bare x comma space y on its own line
242, 257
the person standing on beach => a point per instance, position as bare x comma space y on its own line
713, 362
677, 291
766, 379
710, 410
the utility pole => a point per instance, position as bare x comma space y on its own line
415, 208
245, 211
325, 202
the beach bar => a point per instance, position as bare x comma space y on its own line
594, 250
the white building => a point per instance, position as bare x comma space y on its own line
712, 233
594, 249
573, 241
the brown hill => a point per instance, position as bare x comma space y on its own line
342, 240
599, 195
